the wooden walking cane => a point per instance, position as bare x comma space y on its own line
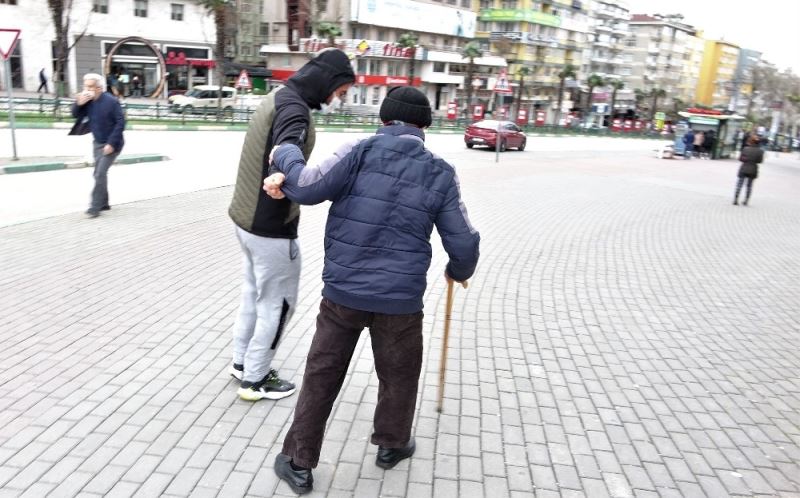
443, 363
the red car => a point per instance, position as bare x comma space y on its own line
485, 133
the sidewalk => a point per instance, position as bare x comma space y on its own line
45, 163
628, 333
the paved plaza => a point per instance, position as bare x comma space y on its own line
628, 332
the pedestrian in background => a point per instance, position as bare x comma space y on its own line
688, 142
107, 123
699, 136
267, 228
388, 192
752, 155
42, 82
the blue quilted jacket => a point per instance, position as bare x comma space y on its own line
388, 192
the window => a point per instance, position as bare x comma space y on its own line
177, 11
362, 95
438, 67
376, 95
8, 2
361, 68
484, 26
374, 66
263, 30
140, 8
99, 6
486, 4
466, 3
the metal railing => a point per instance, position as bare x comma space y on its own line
59, 110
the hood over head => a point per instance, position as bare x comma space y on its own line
320, 76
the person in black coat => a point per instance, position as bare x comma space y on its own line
752, 155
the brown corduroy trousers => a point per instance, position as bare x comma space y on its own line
397, 349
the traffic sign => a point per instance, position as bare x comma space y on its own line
8, 40
502, 85
244, 80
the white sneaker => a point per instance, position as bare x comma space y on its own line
236, 371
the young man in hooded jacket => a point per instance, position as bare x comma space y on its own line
388, 192
267, 228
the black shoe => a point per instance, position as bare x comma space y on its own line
91, 213
745, 202
735, 203
270, 387
389, 457
301, 481
105, 208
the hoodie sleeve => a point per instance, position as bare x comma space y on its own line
460, 239
314, 184
289, 123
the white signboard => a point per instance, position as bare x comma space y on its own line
416, 16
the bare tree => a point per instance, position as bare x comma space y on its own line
61, 12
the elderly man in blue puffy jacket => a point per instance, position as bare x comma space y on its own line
388, 192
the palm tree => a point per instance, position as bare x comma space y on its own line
219, 9
521, 72
329, 31
616, 85
569, 71
471, 51
656, 93
593, 81
409, 40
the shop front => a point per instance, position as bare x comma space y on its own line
723, 127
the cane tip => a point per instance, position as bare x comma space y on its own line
438, 409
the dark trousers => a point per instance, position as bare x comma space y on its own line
749, 190
43, 84
102, 163
397, 348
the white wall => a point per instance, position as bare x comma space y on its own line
33, 18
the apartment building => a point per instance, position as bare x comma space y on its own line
661, 47
607, 55
716, 87
370, 32
170, 39
743, 80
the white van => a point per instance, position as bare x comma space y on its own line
202, 98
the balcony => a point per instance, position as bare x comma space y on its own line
603, 28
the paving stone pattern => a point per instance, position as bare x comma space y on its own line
628, 333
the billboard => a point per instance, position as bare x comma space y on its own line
415, 16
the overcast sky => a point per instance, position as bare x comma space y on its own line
770, 26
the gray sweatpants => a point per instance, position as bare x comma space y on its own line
101, 164
271, 270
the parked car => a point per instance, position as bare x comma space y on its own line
485, 133
203, 97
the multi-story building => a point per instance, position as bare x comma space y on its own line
542, 35
172, 41
661, 45
743, 80
607, 55
370, 34
690, 73
716, 86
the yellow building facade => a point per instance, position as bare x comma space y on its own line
715, 87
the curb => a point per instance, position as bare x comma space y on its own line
53, 166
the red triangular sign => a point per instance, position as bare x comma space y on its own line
244, 80
8, 39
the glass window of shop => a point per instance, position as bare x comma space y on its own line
376, 95
361, 66
178, 76
362, 94
15, 61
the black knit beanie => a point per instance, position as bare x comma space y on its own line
406, 104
